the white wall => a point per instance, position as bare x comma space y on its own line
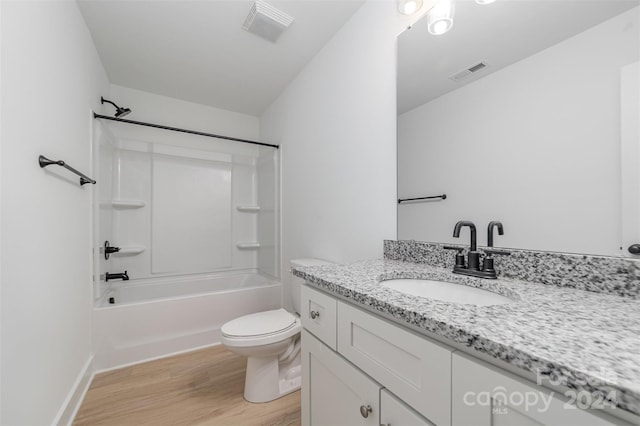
168, 111
51, 78
336, 123
535, 145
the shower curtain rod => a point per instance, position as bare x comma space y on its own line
177, 129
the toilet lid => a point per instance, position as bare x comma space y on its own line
259, 324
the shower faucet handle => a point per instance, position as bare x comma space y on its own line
108, 249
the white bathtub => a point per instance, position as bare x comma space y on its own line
155, 318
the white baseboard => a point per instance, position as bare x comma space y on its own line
154, 358
73, 401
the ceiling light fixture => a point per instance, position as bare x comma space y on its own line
409, 7
484, 1
440, 17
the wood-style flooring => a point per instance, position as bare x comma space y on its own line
197, 388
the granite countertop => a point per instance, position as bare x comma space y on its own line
582, 340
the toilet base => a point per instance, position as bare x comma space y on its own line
268, 379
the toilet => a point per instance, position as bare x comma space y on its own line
271, 342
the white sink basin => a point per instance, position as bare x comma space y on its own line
446, 292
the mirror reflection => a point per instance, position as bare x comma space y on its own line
516, 113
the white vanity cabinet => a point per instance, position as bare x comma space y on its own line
336, 392
414, 368
319, 313
395, 412
359, 369
484, 395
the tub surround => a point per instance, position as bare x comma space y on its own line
582, 340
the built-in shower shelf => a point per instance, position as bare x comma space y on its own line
129, 250
248, 209
248, 246
127, 204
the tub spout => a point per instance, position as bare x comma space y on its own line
120, 276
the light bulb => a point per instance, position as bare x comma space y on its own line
408, 7
440, 17
441, 27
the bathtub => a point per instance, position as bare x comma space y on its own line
148, 319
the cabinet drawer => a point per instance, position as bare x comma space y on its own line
414, 368
318, 315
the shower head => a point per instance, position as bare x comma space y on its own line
120, 112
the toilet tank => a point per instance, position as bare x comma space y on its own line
296, 282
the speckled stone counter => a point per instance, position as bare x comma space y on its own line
583, 340
600, 274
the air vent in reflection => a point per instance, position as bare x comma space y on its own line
467, 72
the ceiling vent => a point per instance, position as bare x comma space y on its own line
266, 21
459, 76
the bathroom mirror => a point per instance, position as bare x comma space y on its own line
515, 114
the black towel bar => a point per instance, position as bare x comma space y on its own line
435, 197
44, 162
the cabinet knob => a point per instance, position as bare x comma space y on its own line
634, 249
315, 314
365, 410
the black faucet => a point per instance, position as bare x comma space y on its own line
472, 266
120, 276
487, 263
493, 224
473, 255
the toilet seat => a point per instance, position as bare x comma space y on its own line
261, 328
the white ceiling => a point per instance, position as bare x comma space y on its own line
197, 50
499, 33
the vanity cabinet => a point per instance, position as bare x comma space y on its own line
359, 369
337, 392
336, 338
395, 412
319, 315
413, 367
484, 395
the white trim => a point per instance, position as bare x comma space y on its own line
155, 358
73, 402
630, 155
75, 397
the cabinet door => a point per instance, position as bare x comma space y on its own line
394, 412
335, 393
483, 395
413, 367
